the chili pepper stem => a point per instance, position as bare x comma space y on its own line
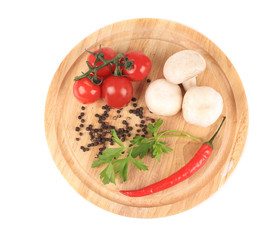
212, 138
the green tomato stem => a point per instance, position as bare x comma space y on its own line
99, 57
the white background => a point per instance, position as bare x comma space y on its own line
36, 202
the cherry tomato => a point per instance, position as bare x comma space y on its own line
141, 66
117, 91
85, 91
109, 54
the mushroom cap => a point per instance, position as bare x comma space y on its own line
202, 106
183, 65
163, 98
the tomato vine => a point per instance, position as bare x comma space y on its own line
120, 61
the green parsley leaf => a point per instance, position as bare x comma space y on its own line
122, 167
137, 140
108, 174
158, 148
107, 156
116, 139
141, 150
123, 164
153, 129
164, 148
139, 164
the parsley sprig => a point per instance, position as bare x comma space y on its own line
118, 159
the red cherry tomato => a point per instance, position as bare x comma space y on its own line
109, 54
85, 91
117, 91
141, 66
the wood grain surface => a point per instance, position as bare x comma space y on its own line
158, 39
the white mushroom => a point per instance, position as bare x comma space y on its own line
163, 98
202, 106
183, 67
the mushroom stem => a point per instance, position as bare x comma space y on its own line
189, 83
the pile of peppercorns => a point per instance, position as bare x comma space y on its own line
100, 132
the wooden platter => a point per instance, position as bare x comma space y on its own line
158, 39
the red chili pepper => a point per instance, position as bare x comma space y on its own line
185, 172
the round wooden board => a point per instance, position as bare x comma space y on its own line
158, 39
